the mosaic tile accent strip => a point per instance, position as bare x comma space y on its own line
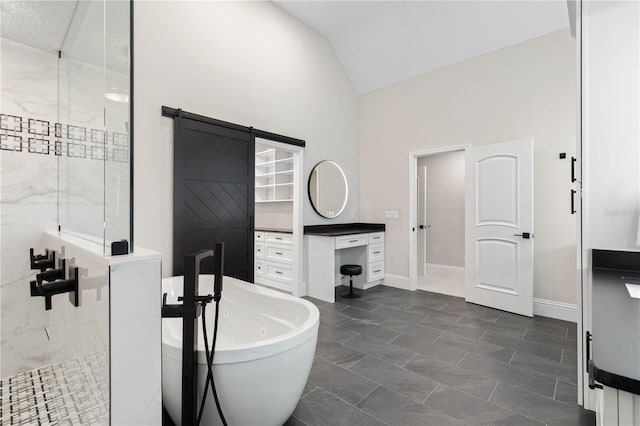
73, 392
23, 134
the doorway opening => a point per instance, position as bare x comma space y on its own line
278, 222
439, 207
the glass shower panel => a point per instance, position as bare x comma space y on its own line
117, 158
82, 162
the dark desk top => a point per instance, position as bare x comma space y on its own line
280, 230
616, 320
338, 229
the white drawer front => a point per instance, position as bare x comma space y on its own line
260, 269
376, 237
376, 253
279, 238
259, 236
352, 241
259, 249
279, 253
375, 271
279, 272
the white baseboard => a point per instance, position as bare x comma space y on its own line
396, 281
557, 310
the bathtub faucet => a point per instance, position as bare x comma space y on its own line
189, 311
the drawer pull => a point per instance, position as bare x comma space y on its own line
376, 271
377, 252
278, 253
353, 241
278, 238
279, 272
376, 238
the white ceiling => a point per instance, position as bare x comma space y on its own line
85, 30
39, 24
380, 43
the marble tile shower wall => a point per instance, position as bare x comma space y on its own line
38, 175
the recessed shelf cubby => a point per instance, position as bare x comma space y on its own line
274, 175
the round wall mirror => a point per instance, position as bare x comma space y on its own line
328, 190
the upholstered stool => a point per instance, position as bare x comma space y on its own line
351, 270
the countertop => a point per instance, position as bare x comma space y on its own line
338, 229
616, 320
280, 230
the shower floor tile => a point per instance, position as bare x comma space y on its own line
72, 392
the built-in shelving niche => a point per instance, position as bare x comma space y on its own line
274, 175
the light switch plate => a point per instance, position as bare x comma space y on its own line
392, 214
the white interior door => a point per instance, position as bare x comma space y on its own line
422, 218
499, 226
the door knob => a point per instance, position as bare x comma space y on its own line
525, 235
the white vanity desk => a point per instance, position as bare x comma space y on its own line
327, 247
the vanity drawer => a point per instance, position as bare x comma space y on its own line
279, 272
351, 241
279, 253
259, 269
259, 235
259, 249
376, 237
375, 271
279, 238
376, 253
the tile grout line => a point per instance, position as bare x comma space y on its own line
436, 339
512, 356
409, 360
462, 359
561, 356
350, 404
555, 389
430, 393
305, 424
494, 389
365, 397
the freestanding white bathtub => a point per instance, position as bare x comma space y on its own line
264, 352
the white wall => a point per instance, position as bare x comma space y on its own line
445, 208
245, 62
274, 215
526, 90
28, 196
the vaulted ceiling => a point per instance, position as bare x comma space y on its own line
380, 43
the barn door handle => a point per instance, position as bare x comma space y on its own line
525, 235
573, 201
573, 169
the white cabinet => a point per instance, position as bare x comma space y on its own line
608, 173
611, 128
274, 175
274, 260
617, 408
325, 254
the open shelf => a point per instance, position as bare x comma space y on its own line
273, 176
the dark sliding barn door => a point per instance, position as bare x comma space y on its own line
213, 194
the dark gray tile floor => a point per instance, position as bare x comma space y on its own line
396, 357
